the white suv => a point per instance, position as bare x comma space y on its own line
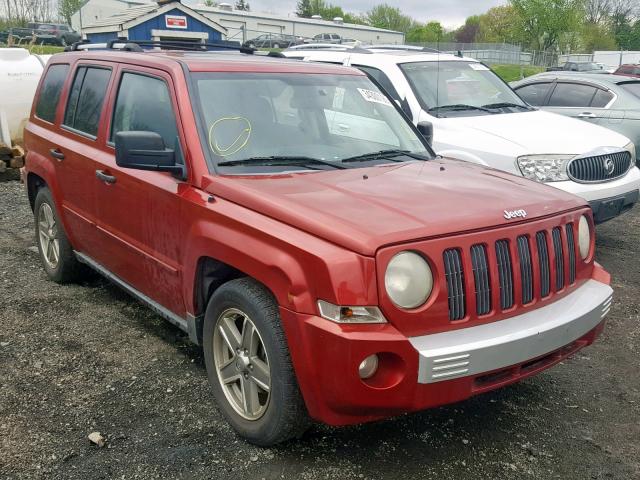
475, 116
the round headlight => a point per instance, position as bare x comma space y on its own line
408, 280
584, 237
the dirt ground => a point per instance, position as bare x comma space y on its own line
82, 358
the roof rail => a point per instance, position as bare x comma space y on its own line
404, 48
137, 45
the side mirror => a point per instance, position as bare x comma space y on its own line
143, 150
426, 129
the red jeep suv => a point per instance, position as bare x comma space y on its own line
292, 221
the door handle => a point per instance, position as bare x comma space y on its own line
106, 178
586, 115
57, 154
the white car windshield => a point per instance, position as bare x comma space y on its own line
277, 122
459, 88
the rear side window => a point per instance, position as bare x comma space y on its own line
601, 99
534, 94
572, 95
50, 92
86, 99
144, 103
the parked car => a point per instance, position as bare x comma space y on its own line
476, 117
578, 67
48, 33
327, 38
611, 101
273, 40
629, 70
291, 220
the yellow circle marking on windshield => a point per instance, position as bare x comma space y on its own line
238, 144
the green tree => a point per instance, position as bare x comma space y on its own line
391, 18
431, 32
242, 5
597, 37
304, 9
548, 24
469, 32
352, 18
66, 8
499, 25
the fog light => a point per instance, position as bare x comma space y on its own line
368, 366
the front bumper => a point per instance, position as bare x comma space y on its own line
496, 345
416, 373
609, 208
603, 190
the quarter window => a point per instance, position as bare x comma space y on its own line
50, 92
601, 99
86, 99
572, 95
144, 103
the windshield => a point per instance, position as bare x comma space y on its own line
585, 67
283, 122
460, 84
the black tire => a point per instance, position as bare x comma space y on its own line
285, 416
68, 268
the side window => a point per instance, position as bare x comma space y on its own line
572, 95
144, 103
50, 92
535, 93
86, 98
382, 79
601, 99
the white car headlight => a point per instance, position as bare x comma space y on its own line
584, 237
408, 280
544, 168
631, 148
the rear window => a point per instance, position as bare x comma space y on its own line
50, 92
86, 98
632, 87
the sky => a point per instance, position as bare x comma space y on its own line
451, 13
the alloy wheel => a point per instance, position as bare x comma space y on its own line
242, 364
48, 236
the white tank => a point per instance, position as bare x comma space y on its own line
19, 76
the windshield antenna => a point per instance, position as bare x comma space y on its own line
438, 72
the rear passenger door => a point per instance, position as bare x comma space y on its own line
139, 218
74, 147
582, 101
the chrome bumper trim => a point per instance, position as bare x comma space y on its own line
488, 347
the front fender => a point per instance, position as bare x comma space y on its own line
297, 267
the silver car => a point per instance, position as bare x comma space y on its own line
612, 101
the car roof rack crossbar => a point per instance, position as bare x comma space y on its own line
137, 45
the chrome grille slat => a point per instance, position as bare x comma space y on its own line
505, 274
481, 278
543, 260
571, 247
559, 257
592, 169
526, 272
455, 283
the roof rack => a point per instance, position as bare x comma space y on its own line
412, 48
137, 45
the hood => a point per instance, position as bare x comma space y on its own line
535, 132
364, 209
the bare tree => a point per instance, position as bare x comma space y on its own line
597, 11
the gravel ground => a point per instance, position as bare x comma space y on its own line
82, 358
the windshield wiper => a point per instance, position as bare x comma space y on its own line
384, 155
282, 161
459, 107
507, 105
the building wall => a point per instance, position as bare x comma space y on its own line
143, 31
95, 10
101, 37
243, 26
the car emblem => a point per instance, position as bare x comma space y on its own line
609, 166
509, 214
